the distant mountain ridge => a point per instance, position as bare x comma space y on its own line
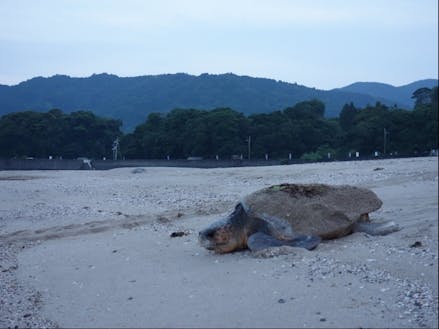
131, 99
401, 94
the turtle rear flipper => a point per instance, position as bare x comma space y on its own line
383, 228
259, 241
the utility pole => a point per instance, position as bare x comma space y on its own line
385, 140
249, 141
115, 148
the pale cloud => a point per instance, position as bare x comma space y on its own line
265, 13
55, 20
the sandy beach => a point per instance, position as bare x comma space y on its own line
94, 249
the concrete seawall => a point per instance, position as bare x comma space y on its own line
66, 164
40, 164
109, 164
58, 164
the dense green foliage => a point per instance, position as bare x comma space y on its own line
183, 133
57, 134
404, 132
302, 131
131, 99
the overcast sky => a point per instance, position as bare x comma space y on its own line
322, 44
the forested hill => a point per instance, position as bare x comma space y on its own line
402, 94
131, 99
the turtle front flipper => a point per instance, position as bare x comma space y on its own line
259, 241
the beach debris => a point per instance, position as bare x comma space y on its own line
163, 219
178, 234
138, 170
11, 268
416, 244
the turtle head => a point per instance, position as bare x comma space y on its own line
227, 234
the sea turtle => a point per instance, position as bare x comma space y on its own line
298, 215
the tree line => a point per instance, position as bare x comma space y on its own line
57, 134
301, 131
